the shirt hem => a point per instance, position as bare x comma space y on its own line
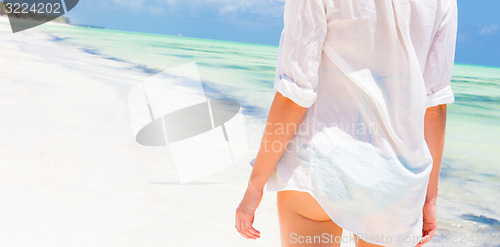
277, 188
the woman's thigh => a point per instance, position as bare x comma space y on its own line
304, 223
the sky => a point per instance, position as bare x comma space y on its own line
261, 22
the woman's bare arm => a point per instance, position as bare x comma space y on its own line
435, 124
283, 119
434, 129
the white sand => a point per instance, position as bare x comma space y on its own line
71, 173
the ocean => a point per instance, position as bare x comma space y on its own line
469, 187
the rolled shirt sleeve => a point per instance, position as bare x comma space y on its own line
300, 49
440, 59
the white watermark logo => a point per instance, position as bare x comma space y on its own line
202, 136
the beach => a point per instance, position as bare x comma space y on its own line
72, 173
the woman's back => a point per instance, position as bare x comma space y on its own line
367, 70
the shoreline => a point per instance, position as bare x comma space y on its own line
74, 171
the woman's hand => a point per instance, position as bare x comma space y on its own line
283, 112
245, 213
430, 222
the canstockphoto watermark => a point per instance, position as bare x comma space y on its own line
25, 14
202, 136
328, 238
325, 238
452, 239
467, 238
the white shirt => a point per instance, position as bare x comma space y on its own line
366, 70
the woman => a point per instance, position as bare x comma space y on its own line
355, 133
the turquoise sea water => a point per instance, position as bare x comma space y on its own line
226, 68
469, 194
